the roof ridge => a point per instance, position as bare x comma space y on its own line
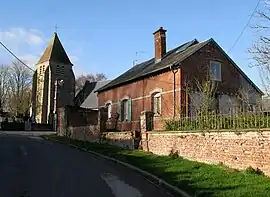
139, 69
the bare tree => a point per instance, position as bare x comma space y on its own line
250, 99
80, 81
20, 88
202, 96
260, 50
4, 87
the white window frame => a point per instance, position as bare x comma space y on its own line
108, 104
217, 76
156, 95
124, 107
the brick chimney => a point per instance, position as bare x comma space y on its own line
160, 43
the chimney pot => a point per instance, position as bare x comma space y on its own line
160, 43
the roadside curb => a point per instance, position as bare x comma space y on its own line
152, 178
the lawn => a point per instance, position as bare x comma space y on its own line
197, 179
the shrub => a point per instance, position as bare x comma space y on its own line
174, 154
216, 122
251, 170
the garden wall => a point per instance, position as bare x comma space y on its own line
85, 133
124, 140
91, 133
236, 150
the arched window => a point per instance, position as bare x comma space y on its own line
124, 109
156, 103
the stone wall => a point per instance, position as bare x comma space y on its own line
86, 133
72, 117
91, 133
236, 150
77, 116
124, 140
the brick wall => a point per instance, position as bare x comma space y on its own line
236, 150
196, 67
79, 118
140, 93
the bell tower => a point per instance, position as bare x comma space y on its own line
53, 81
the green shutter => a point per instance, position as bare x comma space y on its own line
129, 110
119, 110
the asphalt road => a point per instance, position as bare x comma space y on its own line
31, 166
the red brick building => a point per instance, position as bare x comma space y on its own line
159, 84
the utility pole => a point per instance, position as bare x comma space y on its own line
54, 106
57, 84
174, 71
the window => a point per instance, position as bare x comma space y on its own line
57, 69
124, 109
156, 104
251, 108
60, 70
215, 70
109, 107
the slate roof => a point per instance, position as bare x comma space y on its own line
87, 97
55, 52
172, 57
150, 66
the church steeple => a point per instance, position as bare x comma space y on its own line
53, 65
55, 52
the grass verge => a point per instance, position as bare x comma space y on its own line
197, 179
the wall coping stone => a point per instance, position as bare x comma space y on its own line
242, 131
228, 133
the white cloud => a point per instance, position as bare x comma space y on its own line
73, 59
29, 45
79, 70
21, 36
29, 59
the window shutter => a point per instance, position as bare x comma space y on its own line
119, 110
129, 109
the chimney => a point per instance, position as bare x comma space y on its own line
160, 43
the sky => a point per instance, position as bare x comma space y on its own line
105, 36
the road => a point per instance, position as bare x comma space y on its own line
31, 166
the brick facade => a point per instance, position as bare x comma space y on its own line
140, 93
236, 150
194, 67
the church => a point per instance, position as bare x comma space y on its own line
53, 82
